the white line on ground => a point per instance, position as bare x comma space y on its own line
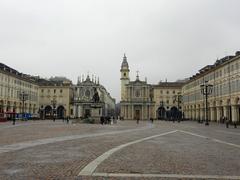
212, 139
90, 168
164, 176
28, 144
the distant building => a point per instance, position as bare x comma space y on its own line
55, 98
140, 100
224, 75
18, 93
168, 99
84, 104
50, 98
136, 96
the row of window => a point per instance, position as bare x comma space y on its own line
218, 90
167, 92
14, 93
214, 75
54, 91
12, 81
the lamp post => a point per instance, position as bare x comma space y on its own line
206, 90
178, 98
23, 97
54, 102
162, 111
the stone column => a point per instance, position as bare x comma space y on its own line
234, 113
4, 110
225, 114
201, 114
218, 114
212, 118
132, 112
194, 114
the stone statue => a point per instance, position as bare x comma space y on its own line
96, 98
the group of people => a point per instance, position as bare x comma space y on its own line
151, 120
107, 120
225, 120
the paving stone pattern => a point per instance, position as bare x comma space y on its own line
177, 153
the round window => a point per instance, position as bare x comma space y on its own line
87, 93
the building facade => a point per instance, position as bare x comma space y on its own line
168, 99
18, 93
55, 99
84, 104
31, 96
224, 75
136, 96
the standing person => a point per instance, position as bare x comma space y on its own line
151, 119
102, 120
137, 120
235, 124
13, 119
67, 119
227, 121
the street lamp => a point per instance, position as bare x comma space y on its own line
54, 102
23, 97
206, 90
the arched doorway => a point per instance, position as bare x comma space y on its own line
174, 112
48, 112
60, 112
161, 113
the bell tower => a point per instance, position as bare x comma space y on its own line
124, 77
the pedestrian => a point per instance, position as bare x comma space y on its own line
102, 120
67, 119
151, 119
13, 119
227, 121
235, 124
137, 120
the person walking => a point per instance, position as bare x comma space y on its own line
227, 121
151, 119
67, 119
13, 119
137, 120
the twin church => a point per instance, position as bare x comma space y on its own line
142, 101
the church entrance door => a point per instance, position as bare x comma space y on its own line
137, 114
87, 113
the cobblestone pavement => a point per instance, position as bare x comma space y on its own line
56, 150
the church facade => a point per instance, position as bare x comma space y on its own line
91, 99
143, 101
136, 96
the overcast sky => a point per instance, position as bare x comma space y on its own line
162, 39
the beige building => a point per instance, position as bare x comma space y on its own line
18, 92
224, 75
167, 98
136, 96
55, 99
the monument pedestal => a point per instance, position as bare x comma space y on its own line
96, 112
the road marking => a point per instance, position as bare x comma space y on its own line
164, 176
90, 168
28, 144
212, 139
